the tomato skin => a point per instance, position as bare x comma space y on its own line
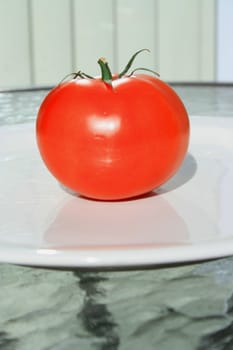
111, 142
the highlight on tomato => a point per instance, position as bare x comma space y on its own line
115, 136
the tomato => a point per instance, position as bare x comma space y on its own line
111, 138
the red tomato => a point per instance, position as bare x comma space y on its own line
116, 140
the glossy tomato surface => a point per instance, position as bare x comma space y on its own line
113, 141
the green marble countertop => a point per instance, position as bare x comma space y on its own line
183, 307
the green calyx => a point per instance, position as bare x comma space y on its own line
129, 64
106, 74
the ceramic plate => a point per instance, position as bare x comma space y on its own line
187, 219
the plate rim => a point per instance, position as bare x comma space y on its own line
89, 258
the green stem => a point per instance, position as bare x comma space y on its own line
84, 75
144, 69
76, 75
106, 74
68, 76
129, 64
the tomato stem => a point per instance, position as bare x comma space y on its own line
76, 75
129, 64
144, 69
106, 74
84, 75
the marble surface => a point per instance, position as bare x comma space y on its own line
183, 307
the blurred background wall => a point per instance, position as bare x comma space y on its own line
43, 40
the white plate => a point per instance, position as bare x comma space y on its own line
189, 218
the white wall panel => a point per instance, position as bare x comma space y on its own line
51, 28
178, 39
137, 29
208, 40
93, 34
14, 44
43, 40
185, 27
225, 40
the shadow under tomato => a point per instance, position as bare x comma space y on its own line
186, 172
